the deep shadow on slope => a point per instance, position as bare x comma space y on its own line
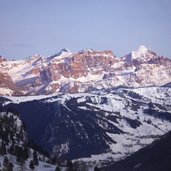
56, 127
155, 157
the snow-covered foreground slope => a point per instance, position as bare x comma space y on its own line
25, 166
96, 126
16, 150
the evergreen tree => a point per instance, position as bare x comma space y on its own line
6, 161
20, 155
11, 149
36, 162
25, 153
97, 169
31, 165
57, 169
76, 166
53, 160
1, 129
69, 165
11, 136
3, 150
5, 138
80, 167
10, 166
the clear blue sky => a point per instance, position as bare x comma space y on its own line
29, 27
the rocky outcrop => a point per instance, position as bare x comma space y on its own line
7, 86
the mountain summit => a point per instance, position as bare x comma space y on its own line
64, 50
141, 52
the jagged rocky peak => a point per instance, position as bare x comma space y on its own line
96, 52
142, 48
34, 58
87, 50
62, 53
141, 52
142, 55
65, 50
2, 59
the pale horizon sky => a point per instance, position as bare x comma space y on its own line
44, 27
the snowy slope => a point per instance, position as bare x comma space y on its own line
14, 145
140, 53
6, 92
98, 126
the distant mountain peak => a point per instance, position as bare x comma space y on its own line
62, 53
87, 50
65, 50
34, 57
2, 59
142, 48
140, 53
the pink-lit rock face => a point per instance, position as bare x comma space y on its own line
83, 71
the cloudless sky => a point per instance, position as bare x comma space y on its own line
29, 27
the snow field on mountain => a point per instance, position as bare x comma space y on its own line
6, 91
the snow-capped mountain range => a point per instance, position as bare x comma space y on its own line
84, 71
90, 105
